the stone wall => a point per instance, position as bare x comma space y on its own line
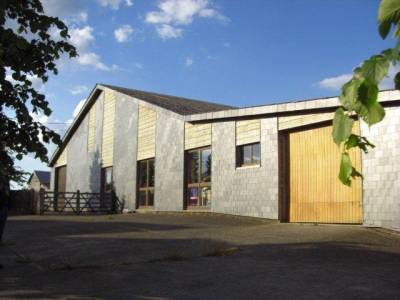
381, 169
248, 191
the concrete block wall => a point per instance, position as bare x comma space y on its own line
169, 162
251, 191
381, 170
125, 151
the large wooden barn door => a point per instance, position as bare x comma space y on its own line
316, 195
61, 184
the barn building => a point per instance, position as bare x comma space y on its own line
276, 161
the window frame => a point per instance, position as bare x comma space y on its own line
240, 156
200, 184
147, 188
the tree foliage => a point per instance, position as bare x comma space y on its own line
359, 96
30, 44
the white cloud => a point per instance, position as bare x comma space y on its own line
166, 31
180, 12
78, 89
78, 107
334, 83
93, 59
41, 118
226, 45
188, 62
123, 33
114, 4
71, 11
83, 39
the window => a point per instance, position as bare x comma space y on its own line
248, 155
198, 170
107, 180
146, 182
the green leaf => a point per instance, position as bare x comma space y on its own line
352, 141
388, 14
346, 169
375, 68
368, 93
342, 126
349, 95
375, 114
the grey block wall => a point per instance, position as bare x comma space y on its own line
381, 169
251, 191
125, 151
77, 160
169, 162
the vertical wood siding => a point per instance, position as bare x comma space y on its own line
316, 194
107, 148
146, 133
198, 135
62, 159
247, 132
302, 120
91, 128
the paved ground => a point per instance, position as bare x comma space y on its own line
176, 256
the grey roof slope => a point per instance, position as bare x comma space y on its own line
44, 176
179, 105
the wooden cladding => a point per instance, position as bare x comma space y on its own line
247, 132
91, 128
62, 159
302, 120
316, 194
197, 136
146, 133
107, 148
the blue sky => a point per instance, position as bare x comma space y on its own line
235, 52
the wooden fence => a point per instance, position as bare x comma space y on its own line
78, 203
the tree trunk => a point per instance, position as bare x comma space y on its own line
3, 220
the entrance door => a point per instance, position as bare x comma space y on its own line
316, 194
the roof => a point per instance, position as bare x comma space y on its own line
43, 176
179, 105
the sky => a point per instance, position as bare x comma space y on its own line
234, 52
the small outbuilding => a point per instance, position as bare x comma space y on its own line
39, 180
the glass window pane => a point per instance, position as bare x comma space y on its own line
143, 174
193, 197
151, 172
206, 165
193, 167
151, 198
246, 154
256, 153
142, 198
206, 196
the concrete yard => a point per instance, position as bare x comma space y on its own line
194, 256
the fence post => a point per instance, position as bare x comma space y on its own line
41, 201
78, 202
55, 201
